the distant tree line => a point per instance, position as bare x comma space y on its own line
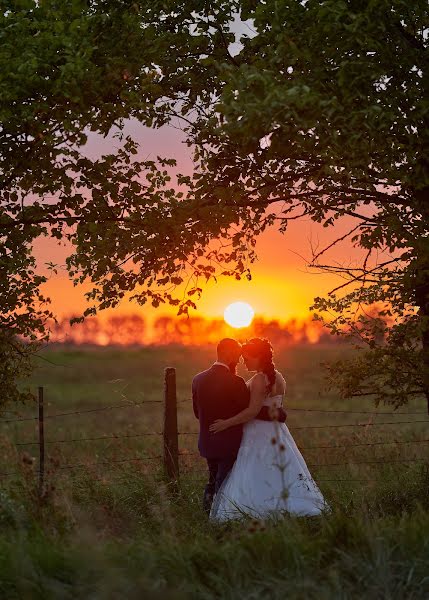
131, 330
121, 330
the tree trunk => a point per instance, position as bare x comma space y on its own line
420, 270
425, 341
422, 293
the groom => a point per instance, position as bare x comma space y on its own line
218, 393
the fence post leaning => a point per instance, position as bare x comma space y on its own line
171, 437
41, 443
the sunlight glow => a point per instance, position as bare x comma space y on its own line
239, 314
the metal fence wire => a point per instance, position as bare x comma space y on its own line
170, 436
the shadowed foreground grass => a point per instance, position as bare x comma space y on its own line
131, 538
109, 528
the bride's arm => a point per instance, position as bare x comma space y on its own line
258, 393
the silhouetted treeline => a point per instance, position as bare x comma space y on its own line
116, 330
129, 330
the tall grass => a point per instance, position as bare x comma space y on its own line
132, 538
118, 531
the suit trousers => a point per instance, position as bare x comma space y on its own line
218, 471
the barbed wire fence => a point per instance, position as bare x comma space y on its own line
170, 436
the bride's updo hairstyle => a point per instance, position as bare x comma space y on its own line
262, 350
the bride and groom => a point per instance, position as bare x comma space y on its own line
255, 467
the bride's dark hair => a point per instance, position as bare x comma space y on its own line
261, 349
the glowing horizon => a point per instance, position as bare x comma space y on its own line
134, 329
281, 287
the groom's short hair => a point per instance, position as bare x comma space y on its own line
228, 345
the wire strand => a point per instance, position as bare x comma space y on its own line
355, 412
329, 426
87, 439
81, 412
368, 462
349, 412
365, 444
360, 424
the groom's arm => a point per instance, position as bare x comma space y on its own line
268, 413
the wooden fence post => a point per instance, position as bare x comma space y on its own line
171, 437
41, 444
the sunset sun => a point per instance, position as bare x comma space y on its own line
239, 314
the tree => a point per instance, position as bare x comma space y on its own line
346, 85
68, 69
322, 113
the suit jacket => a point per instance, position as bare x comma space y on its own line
219, 394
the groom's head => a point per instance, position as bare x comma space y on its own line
229, 352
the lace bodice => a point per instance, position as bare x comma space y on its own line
273, 401
276, 400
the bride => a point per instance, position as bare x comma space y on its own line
269, 476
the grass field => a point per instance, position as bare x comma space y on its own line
109, 527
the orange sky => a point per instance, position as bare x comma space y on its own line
281, 287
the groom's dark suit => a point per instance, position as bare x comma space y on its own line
217, 393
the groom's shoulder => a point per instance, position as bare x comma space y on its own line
215, 373
202, 374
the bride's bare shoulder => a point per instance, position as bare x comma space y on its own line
256, 379
280, 381
279, 375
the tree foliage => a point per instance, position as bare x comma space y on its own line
68, 69
321, 113
324, 114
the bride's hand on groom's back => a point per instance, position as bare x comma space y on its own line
218, 425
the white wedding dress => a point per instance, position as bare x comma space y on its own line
269, 477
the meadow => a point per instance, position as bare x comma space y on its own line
109, 525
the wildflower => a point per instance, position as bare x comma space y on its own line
27, 459
54, 461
